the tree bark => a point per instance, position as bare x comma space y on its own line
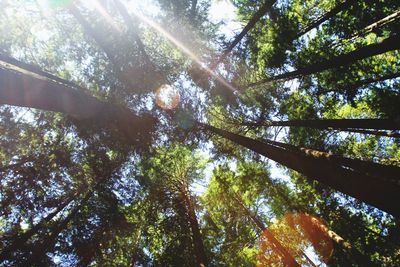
377, 124
381, 194
252, 22
331, 13
385, 173
39, 250
382, 22
19, 87
360, 83
19, 241
354, 253
199, 250
389, 44
347, 125
133, 29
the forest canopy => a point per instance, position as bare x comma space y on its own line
200, 133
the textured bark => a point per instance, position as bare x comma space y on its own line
389, 44
382, 22
252, 22
385, 173
199, 250
19, 87
331, 13
347, 125
379, 193
377, 124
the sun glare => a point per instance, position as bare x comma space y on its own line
167, 97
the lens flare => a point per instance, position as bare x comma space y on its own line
167, 97
290, 237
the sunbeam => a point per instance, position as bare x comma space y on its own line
182, 48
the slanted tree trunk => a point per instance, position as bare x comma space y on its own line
382, 22
385, 173
20, 87
39, 250
330, 14
199, 250
377, 192
348, 125
287, 258
389, 44
19, 241
252, 22
377, 124
149, 76
353, 252
133, 30
357, 84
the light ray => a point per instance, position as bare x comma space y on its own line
96, 5
182, 48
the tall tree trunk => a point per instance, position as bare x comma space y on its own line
348, 125
130, 23
358, 84
331, 13
377, 124
372, 27
39, 250
24, 88
276, 246
19, 241
389, 44
385, 173
379, 193
252, 22
199, 250
353, 252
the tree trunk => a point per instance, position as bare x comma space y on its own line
331, 13
20, 240
134, 30
199, 250
39, 250
385, 173
354, 253
288, 259
356, 85
372, 27
19, 87
382, 194
389, 44
347, 125
252, 22
377, 124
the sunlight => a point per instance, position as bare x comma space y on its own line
302, 236
99, 8
55, 4
181, 47
167, 97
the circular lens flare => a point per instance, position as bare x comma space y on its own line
288, 239
167, 97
